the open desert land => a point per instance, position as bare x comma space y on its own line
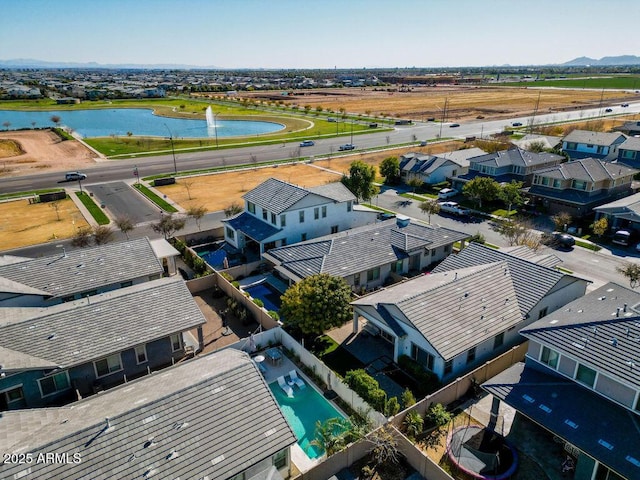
26, 152
464, 102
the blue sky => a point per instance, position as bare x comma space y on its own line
318, 34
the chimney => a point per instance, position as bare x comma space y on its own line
402, 221
625, 307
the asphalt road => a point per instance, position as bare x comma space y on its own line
120, 200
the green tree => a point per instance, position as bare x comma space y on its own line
102, 234
481, 189
407, 398
390, 170
600, 226
632, 272
511, 194
56, 119
232, 210
392, 407
168, 225
430, 207
536, 147
520, 232
360, 180
413, 423
438, 415
330, 435
317, 303
415, 182
560, 220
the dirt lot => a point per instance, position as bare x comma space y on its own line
464, 103
26, 224
43, 151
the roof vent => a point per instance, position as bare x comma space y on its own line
149, 443
614, 341
180, 425
217, 460
618, 311
149, 473
602, 298
594, 330
172, 454
625, 307
51, 337
630, 363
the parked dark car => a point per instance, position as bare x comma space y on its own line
454, 125
346, 146
608, 110
517, 124
558, 240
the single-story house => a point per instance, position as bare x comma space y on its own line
621, 214
581, 381
587, 144
578, 187
52, 355
213, 418
277, 213
629, 128
629, 152
433, 169
369, 256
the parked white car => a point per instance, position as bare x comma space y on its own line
447, 193
453, 208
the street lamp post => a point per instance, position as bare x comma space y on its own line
175, 165
351, 140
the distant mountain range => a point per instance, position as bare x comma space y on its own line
604, 61
31, 63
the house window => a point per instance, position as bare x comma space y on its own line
141, 354
349, 206
448, 366
544, 181
316, 213
239, 476
265, 214
108, 365
301, 213
15, 394
600, 150
447, 248
54, 383
176, 342
557, 183
628, 154
589, 145
498, 341
334, 229
126, 284
579, 185
230, 233
543, 312
280, 460
586, 375
283, 220
70, 298
433, 252
471, 355
571, 146
454, 173
273, 218
549, 357
324, 212
251, 207
396, 267
356, 280
303, 237
387, 336
373, 274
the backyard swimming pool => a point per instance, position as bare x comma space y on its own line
269, 295
302, 412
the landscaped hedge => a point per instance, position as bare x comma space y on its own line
367, 387
427, 382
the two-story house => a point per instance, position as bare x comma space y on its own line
469, 309
369, 256
213, 418
514, 164
433, 169
629, 152
70, 275
621, 214
278, 213
581, 381
53, 355
587, 144
579, 186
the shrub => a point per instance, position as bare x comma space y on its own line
258, 302
226, 276
413, 424
236, 284
392, 407
438, 415
427, 381
273, 314
407, 398
199, 265
367, 387
179, 245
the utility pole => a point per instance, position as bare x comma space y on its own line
175, 165
535, 112
444, 116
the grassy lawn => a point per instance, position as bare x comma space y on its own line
164, 205
607, 82
334, 356
6, 196
588, 245
95, 211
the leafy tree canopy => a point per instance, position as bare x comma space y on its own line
390, 170
481, 189
360, 180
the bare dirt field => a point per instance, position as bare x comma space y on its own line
464, 102
43, 151
29, 224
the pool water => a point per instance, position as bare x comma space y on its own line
302, 412
268, 294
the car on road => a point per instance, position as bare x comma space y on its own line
454, 125
70, 176
307, 143
516, 124
453, 208
386, 215
558, 240
608, 110
624, 105
447, 193
331, 119
346, 146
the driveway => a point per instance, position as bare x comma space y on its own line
120, 200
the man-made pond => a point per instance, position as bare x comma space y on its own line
138, 121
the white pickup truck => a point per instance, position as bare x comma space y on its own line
453, 208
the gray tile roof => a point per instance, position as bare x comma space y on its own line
211, 416
461, 157
581, 417
278, 196
86, 268
631, 143
78, 332
592, 138
532, 282
588, 169
454, 311
515, 156
546, 260
361, 248
592, 330
251, 226
632, 203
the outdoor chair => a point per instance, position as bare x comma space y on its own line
286, 388
297, 380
